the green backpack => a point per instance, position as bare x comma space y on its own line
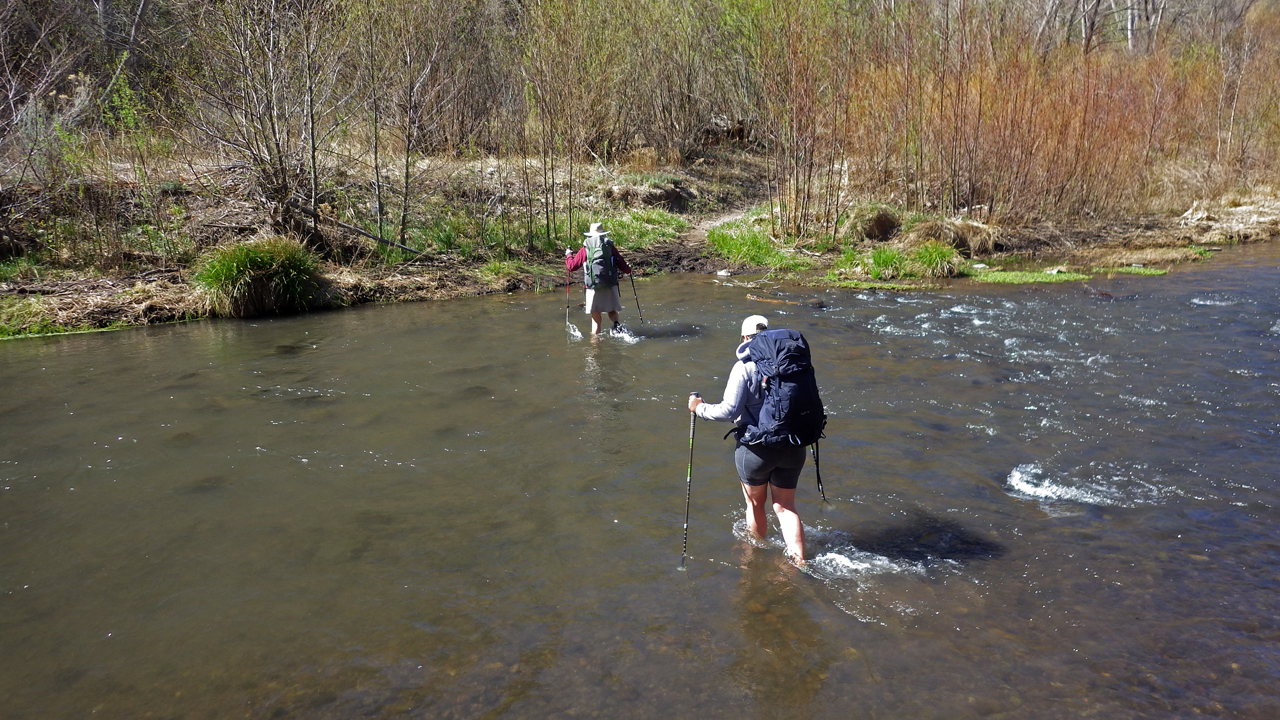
599, 271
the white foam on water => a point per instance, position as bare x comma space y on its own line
1214, 300
574, 332
741, 532
1275, 329
624, 334
1103, 484
1142, 401
853, 564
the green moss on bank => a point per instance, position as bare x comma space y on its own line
1020, 277
1129, 270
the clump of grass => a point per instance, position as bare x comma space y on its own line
501, 272
641, 227
934, 259
835, 281
1131, 270
1019, 277
443, 233
973, 238
886, 263
744, 243
649, 179
912, 220
873, 221
267, 276
19, 268
849, 261
27, 316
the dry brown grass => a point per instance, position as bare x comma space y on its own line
971, 238
103, 306
1117, 257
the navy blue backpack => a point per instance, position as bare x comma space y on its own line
792, 413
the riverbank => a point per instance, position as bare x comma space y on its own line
696, 203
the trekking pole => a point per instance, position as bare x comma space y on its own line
568, 281
688, 487
818, 470
637, 296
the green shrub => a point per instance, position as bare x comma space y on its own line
935, 259
259, 277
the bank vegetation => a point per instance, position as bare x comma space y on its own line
422, 148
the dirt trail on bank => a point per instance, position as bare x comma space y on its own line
688, 253
696, 236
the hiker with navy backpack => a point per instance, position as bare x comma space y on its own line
772, 397
602, 267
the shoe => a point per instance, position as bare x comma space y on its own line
617, 326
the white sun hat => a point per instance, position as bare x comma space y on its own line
751, 325
595, 230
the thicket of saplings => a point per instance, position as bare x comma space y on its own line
495, 130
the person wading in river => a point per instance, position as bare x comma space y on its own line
763, 470
601, 265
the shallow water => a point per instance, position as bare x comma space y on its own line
1044, 503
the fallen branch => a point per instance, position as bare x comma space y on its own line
312, 213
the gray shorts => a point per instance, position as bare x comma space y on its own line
779, 467
606, 301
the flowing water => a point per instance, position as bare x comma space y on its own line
1045, 502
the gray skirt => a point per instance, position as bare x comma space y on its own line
607, 300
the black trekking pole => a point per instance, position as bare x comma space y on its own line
818, 470
688, 487
637, 296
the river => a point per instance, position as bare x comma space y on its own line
1044, 502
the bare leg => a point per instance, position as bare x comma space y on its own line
595, 323
614, 317
757, 498
784, 505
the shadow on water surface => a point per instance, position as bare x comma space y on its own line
924, 539
680, 330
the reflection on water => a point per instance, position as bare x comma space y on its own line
783, 660
1043, 504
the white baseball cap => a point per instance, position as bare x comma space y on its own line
754, 324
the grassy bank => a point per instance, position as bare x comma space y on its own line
81, 268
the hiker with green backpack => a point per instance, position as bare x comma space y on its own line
772, 398
602, 266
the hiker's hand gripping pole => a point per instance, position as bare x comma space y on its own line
688, 483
